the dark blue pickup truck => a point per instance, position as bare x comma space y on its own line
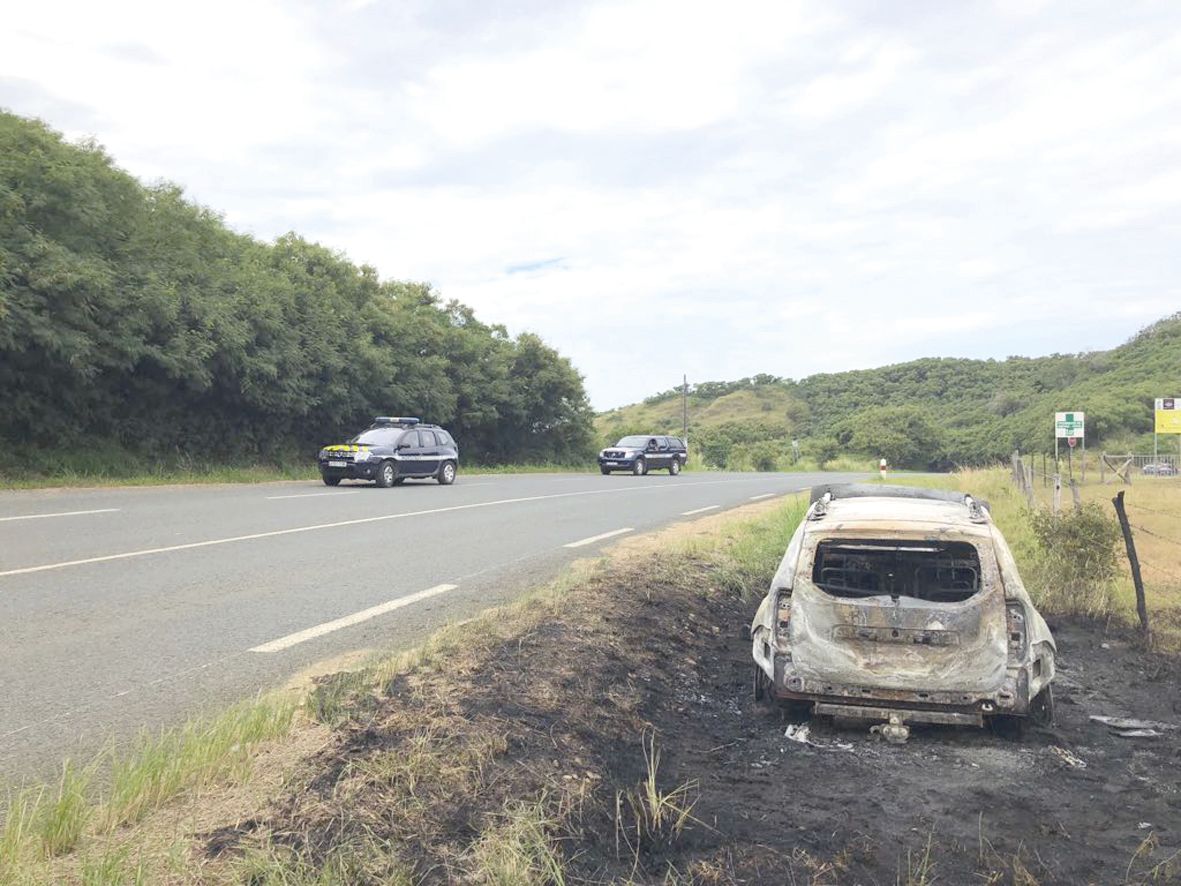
638, 454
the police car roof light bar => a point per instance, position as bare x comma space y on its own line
396, 420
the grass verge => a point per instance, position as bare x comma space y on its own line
44, 827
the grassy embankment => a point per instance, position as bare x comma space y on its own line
79, 473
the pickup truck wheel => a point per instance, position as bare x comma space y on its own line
674, 467
387, 473
605, 471
639, 467
330, 481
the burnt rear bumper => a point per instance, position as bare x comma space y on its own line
1011, 698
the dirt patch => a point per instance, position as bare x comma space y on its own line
612, 731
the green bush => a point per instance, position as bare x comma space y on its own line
1078, 559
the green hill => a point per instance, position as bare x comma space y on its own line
932, 412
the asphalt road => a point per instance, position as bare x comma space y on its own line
133, 608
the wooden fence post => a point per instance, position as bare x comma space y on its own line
1057, 494
1133, 560
1078, 500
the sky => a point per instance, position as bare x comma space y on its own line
667, 188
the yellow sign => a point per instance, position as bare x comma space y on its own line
1168, 415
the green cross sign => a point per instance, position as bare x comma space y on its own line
1069, 424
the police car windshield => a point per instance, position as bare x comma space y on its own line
634, 442
378, 436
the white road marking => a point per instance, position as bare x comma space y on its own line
60, 514
595, 538
349, 620
146, 552
699, 511
764, 495
313, 494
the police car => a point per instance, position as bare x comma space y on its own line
391, 450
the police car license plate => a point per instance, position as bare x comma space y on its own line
338, 464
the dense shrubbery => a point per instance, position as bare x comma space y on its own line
132, 318
936, 412
1079, 558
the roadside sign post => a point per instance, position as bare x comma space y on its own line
1167, 415
1071, 426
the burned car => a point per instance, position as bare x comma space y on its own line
902, 605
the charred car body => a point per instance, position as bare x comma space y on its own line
902, 605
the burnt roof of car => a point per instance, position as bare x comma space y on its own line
837, 491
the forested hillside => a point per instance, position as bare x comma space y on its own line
134, 320
926, 413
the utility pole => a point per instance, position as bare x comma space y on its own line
685, 409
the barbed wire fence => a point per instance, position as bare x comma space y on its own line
1026, 472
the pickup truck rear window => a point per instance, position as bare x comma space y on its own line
939, 572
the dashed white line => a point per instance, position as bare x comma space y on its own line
349, 620
275, 533
59, 514
699, 510
313, 494
764, 495
594, 538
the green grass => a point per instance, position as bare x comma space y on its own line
42, 823
192, 757
67, 472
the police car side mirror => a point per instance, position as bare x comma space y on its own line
402, 446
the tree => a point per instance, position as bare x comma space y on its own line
906, 436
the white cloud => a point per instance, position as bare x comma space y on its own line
762, 187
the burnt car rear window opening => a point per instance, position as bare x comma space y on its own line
938, 572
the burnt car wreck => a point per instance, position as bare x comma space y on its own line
902, 605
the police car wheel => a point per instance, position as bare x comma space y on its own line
639, 467
674, 467
330, 481
446, 474
386, 474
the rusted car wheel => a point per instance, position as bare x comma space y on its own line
761, 685
1041, 709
